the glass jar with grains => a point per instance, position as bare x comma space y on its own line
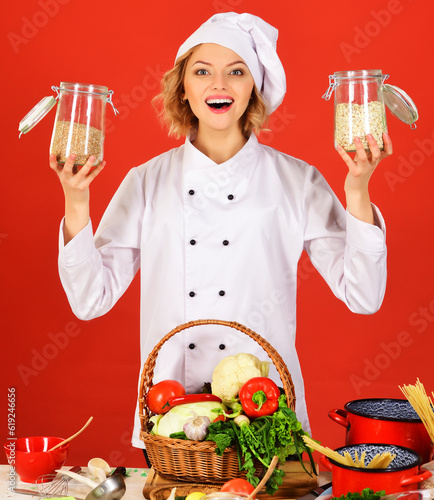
360, 99
79, 127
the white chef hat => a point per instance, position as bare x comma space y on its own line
255, 41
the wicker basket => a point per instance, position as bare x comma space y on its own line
197, 461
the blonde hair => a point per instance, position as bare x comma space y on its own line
177, 115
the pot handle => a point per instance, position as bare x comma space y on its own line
425, 474
325, 462
339, 416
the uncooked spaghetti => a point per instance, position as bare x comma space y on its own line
422, 404
380, 461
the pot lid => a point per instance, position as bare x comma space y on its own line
35, 115
400, 104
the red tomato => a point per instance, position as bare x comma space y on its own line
238, 485
159, 394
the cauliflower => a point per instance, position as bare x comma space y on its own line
234, 371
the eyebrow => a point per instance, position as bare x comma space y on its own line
230, 64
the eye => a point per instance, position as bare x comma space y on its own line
237, 72
202, 72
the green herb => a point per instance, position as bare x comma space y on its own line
366, 494
277, 434
178, 435
223, 434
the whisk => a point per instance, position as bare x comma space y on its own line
54, 485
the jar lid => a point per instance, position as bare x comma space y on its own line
35, 115
400, 104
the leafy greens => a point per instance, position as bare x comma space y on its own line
277, 434
366, 494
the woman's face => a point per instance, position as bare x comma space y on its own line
218, 86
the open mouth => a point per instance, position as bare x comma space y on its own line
219, 103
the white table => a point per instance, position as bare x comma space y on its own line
135, 480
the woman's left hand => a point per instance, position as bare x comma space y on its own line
365, 162
360, 169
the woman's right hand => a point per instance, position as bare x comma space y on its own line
75, 183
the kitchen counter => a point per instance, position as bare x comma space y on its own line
135, 482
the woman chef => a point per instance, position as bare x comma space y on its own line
217, 225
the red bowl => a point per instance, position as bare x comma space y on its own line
31, 459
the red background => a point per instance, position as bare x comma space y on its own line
126, 46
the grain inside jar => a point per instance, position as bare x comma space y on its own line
79, 139
358, 120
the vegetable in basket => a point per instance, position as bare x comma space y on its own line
259, 396
174, 420
159, 394
233, 371
278, 434
192, 398
196, 427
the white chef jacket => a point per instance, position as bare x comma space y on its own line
222, 241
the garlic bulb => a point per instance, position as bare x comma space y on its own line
196, 427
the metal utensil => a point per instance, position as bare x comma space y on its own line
427, 494
55, 485
34, 493
22, 491
112, 488
312, 495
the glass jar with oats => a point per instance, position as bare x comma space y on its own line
80, 122
360, 100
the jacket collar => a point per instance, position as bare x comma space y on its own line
195, 159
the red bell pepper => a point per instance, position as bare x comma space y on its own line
259, 396
220, 418
191, 398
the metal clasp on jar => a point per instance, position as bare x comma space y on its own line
333, 83
109, 95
